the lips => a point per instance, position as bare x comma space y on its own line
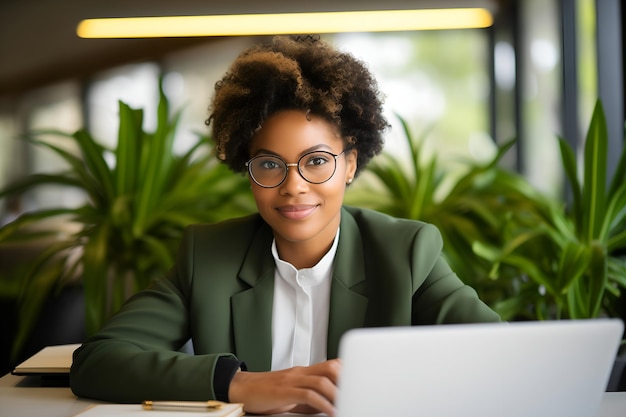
296, 212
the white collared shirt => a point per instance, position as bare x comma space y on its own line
300, 311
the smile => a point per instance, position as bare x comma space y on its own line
296, 212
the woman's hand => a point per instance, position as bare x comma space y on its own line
305, 389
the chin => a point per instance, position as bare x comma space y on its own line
295, 236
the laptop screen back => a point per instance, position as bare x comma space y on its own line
526, 369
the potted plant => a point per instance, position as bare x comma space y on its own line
576, 254
484, 204
128, 230
528, 256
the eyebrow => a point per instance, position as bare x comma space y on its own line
263, 151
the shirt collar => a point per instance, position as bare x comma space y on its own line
306, 277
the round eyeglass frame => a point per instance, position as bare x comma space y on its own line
297, 164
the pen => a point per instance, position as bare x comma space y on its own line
182, 405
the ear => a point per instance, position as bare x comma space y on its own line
351, 164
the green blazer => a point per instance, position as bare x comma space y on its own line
387, 272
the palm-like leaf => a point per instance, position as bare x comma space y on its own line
137, 208
475, 212
528, 256
579, 262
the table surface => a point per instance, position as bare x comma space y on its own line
25, 397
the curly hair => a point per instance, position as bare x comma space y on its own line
301, 73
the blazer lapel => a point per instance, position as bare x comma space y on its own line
348, 305
252, 308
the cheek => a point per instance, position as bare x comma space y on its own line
336, 187
344, 174
263, 196
258, 192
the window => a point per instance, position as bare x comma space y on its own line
135, 85
438, 81
56, 107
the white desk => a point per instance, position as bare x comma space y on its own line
24, 397
21, 396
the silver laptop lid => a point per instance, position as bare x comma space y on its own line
525, 369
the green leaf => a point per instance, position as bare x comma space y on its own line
17, 229
594, 183
619, 177
96, 267
76, 163
598, 276
157, 167
490, 253
128, 152
162, 254
129, 229
617, 241
79, 175
586, 294
422, 194
615, 214
576, 303
617, 271
36, 180
533, 271
94, 160
502, 150
571, 171
574, 262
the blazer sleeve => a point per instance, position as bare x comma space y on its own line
136, 355
440, 297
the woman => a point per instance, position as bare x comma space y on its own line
266, 298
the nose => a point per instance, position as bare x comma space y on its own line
293, 183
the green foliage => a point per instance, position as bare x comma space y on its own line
128, 231
483, 205
577, 255
529, 257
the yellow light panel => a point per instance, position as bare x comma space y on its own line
285, 23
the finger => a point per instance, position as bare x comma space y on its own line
298, 400
329, 369
309, 393
322, 386
310, 401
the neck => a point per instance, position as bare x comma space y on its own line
307, 253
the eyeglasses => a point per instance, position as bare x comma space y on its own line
316, 167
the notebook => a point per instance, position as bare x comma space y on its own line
49, 361
525, 369
136, 410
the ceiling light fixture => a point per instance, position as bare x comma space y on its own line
285, 23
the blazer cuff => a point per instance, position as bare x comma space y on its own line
225, 369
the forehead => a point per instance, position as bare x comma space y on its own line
291, 132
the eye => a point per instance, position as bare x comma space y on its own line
269, 163
317, 160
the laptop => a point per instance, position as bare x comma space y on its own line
521, 369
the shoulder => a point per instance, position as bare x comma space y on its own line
226, 234
381, 233
385, 225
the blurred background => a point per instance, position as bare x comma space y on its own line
534, 74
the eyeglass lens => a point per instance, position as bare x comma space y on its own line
315, 167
